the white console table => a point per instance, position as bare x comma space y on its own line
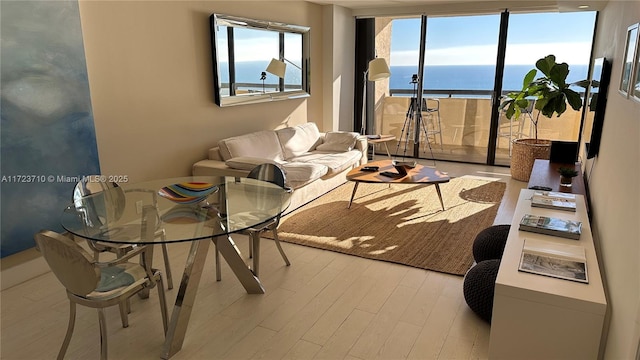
540, 317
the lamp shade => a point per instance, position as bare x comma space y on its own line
378, 69
277, 68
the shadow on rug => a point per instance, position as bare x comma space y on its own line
403, 224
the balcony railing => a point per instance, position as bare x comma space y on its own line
465, 117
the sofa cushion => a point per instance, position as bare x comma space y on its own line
298, 139
263, 144
338, 141
300, 173
335, 162
248, 162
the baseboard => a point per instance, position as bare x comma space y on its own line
20, 267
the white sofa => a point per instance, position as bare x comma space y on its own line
314, 162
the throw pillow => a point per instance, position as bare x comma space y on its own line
263, 144
338, 141
298, 140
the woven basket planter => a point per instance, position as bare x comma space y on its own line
524, 153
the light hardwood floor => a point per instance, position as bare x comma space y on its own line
324, 306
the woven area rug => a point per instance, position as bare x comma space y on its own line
402, 224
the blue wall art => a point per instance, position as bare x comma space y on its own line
47, 133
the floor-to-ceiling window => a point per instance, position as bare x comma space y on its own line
460, 59
530, 37
403, 62
460, 66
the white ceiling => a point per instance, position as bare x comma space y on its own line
435, 7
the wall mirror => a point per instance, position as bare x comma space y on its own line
258, 61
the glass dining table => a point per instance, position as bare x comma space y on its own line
193, 209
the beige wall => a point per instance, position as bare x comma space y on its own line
615, 194
383, 50
150, 76
338, 67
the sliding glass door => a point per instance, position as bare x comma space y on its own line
568, 36
457, 80
459, 73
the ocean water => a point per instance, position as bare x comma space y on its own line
455, 77
250, 71
470, 77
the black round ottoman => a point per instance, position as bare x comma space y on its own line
489, 243
479, 286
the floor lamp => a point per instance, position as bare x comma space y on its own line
377, 70
278, 67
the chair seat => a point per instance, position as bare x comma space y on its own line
113, 283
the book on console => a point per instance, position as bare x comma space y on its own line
556, 194
554, 200
553, 259
570, 229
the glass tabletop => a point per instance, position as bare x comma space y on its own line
174, 210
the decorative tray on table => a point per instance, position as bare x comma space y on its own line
188, 192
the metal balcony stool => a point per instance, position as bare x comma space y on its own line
506, 126
431, 111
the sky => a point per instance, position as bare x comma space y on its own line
472, 40
259, 45
460, 40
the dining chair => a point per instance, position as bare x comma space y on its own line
274, 174
115, 195
97, 285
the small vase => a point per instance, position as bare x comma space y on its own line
565, 181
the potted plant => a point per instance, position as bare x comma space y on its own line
551, 94
567, 175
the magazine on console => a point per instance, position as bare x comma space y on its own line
554, 259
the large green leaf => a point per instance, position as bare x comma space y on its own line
511, 110
573, 98
558, 74
556, 104
548, 104
546, 63
528, 79
586, 83
541, 103
522, 103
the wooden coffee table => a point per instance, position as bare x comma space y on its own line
420, 175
